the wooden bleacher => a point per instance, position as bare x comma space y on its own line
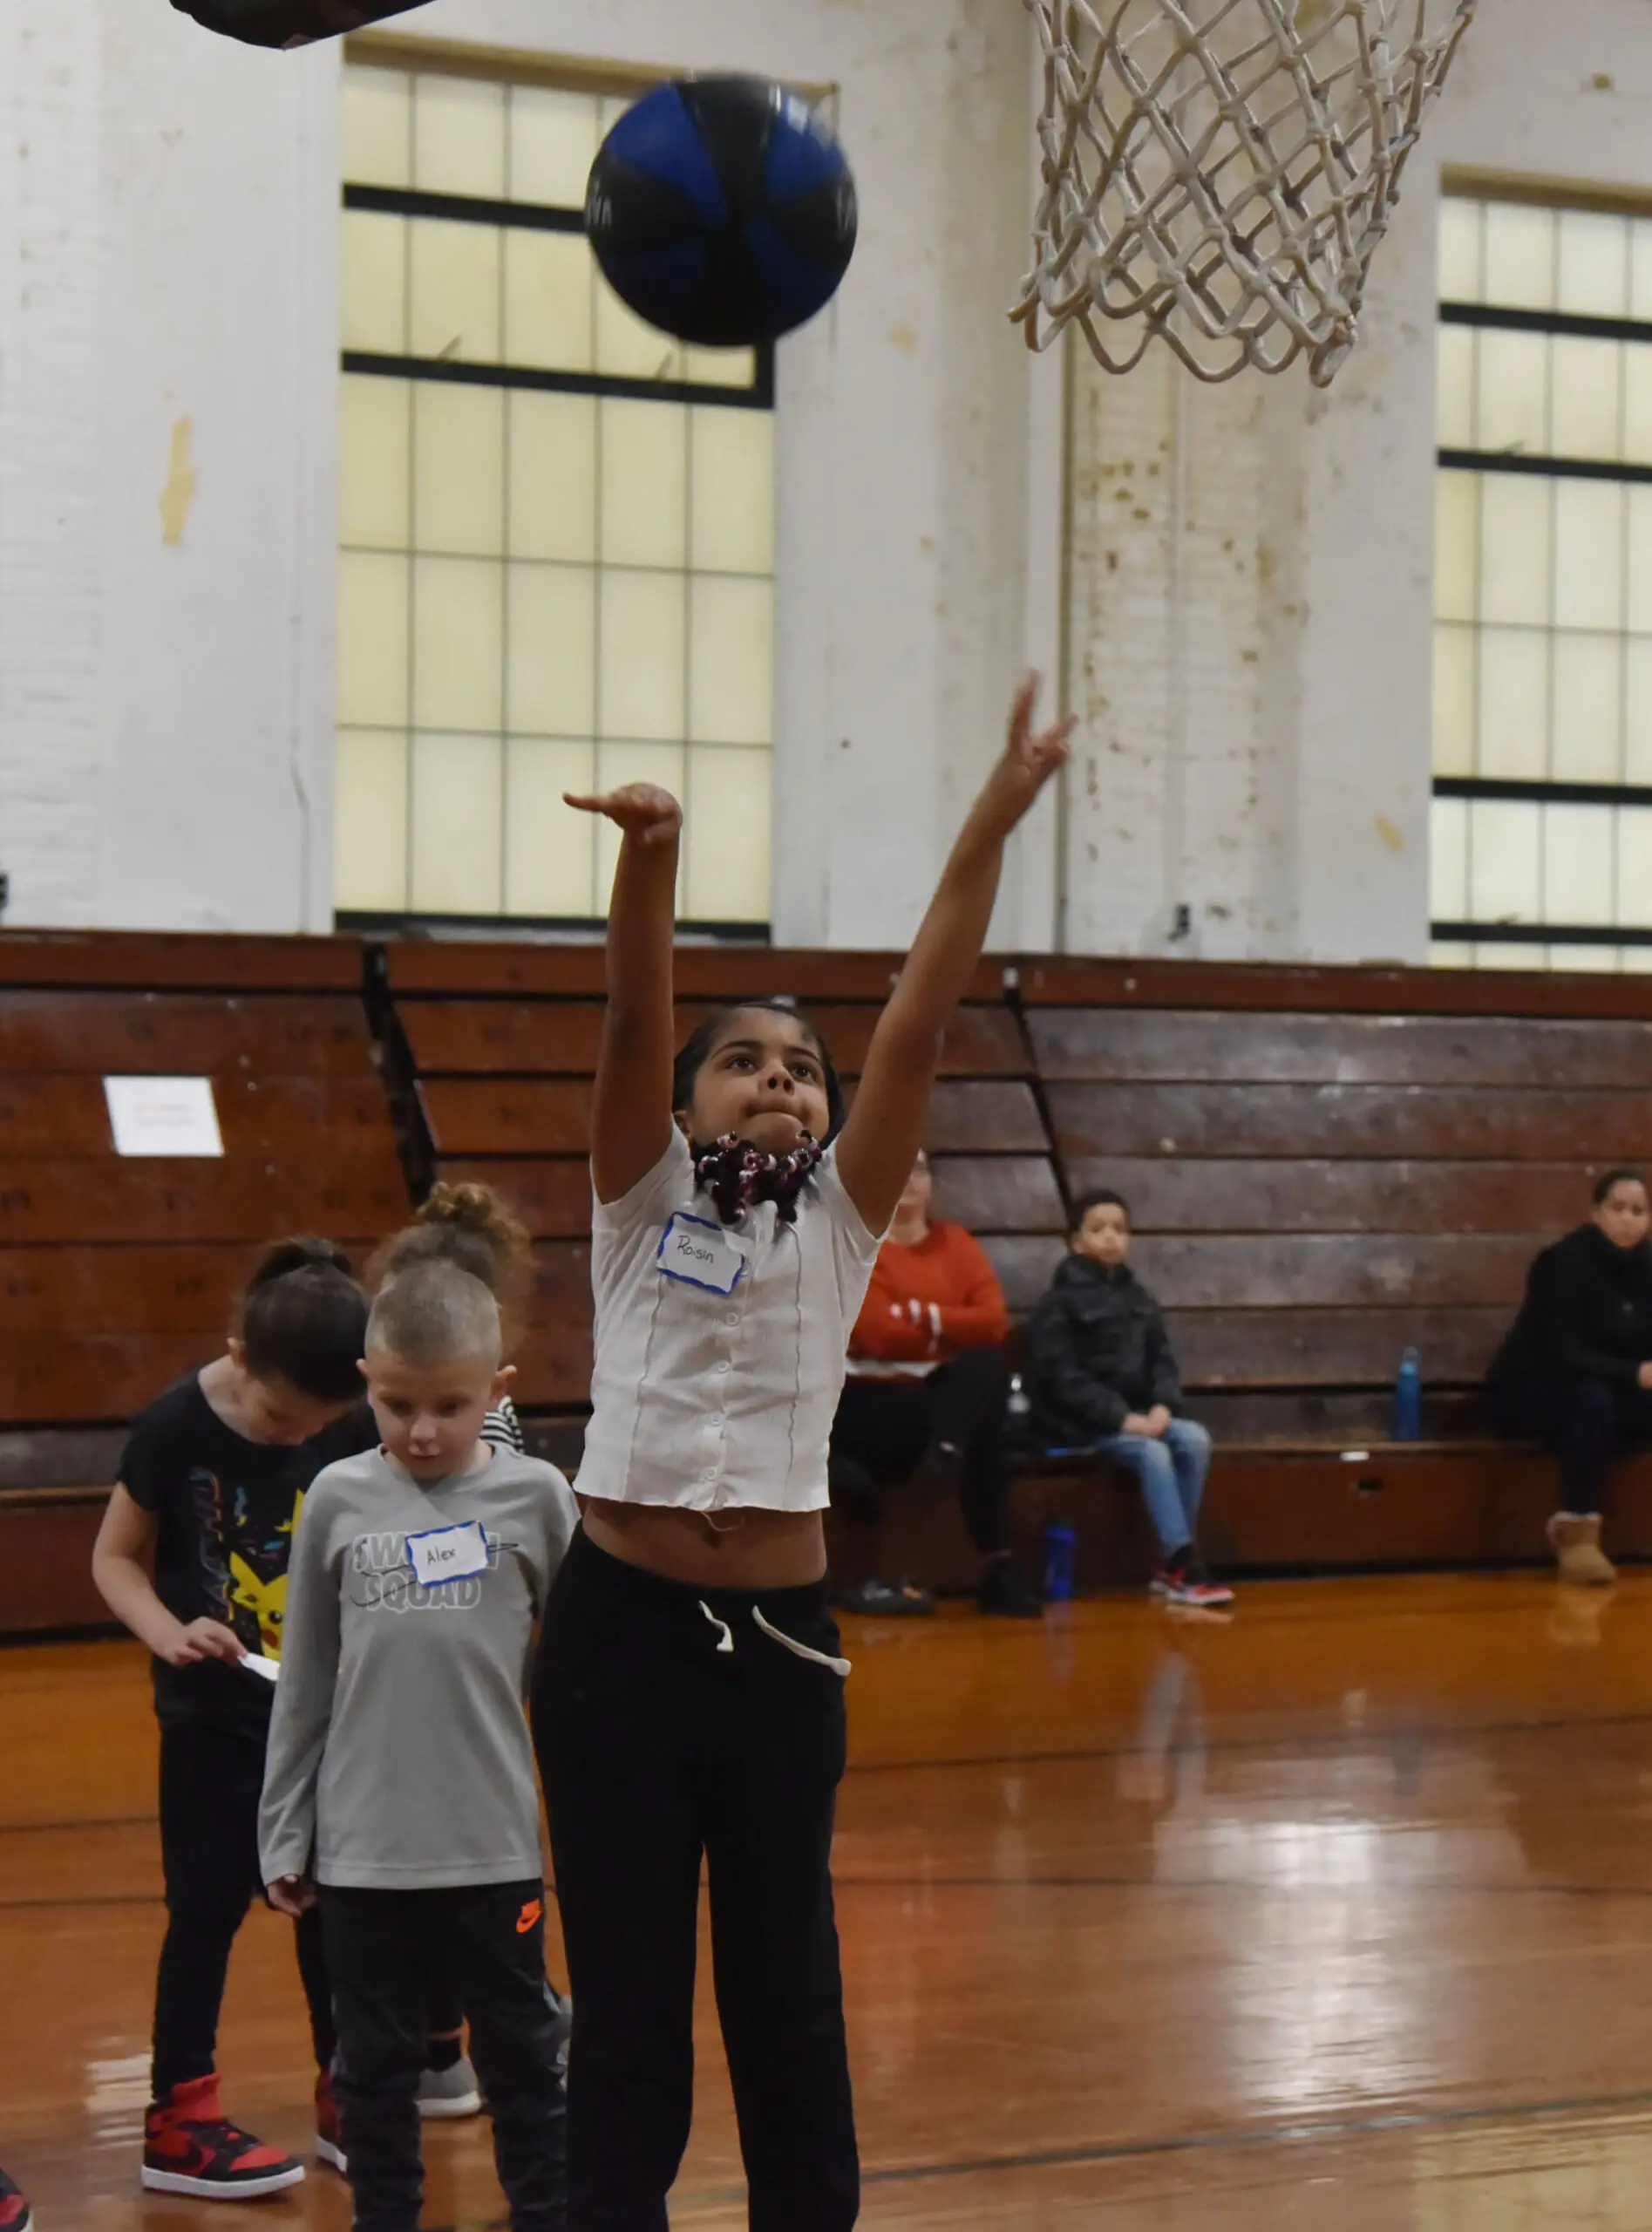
1326, 1166
116, 1275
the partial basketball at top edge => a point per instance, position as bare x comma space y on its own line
722, 209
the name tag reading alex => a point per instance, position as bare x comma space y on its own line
699, 1254
447, 1554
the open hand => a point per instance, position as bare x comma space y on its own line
204, 1639
1031, 755
291, 1895
642, 810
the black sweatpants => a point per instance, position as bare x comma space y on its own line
1589, 1424
380, 1945
671, 1726
212, 1777
886, 1428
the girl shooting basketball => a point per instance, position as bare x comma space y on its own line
689, 1698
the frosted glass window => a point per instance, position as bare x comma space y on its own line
553, 139
550, 854
539, 590
374, 464
1578, 864
552, 499
1638, 540
1455, 378
1587, 410
644, 520
549, 301
373, 249
1513, 705
1589, 709
731, 492
640, 678
1456, 547
1443, 955
728, 844
458, 814
373, 640
730, 661
377, 127
454, 293
1593, 263
1637, 713
1585, 960
458, 136
1455, 653
459, 643
1506, 862
1589, 554
551, 663
1634, 867
1641, 269
1518, 256
1448, 860
1461, 227
1637, 403
458, 469
1513, 390
1512, 956
371, 820
1514, 549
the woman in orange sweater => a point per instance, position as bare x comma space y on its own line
927, 1392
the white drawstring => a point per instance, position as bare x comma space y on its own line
725, 1638
840, 1666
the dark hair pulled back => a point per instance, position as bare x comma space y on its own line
702, 1040
1608, 1179
303, 1319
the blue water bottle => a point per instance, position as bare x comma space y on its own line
1407, 1398
1061, 1560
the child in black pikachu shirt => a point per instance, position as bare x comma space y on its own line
400, 1792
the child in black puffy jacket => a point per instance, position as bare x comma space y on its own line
1102, 1376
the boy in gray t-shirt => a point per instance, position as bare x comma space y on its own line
400, 1775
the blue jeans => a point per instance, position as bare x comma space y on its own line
1172, 1471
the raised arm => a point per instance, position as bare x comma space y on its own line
880, 1140
631, 1109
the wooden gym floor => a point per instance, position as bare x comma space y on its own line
1338, 1915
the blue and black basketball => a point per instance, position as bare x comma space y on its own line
723, 210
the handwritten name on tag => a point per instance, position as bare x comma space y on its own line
447, 1554
699, 1254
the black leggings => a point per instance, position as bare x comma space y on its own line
1587, 1422
886, 1428
673, 1729
211, 1780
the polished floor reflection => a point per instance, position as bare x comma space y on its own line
1338, 1914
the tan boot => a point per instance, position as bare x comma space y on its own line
1575, 1539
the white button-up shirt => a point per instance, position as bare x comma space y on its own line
711, 1401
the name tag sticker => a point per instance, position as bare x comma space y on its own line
697, 1252
447, 1554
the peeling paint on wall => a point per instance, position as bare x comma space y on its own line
182, 481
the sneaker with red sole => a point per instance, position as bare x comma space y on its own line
330, 2137
14, 2210
190, 2146
1184, 1579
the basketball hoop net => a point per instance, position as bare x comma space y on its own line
1218, 174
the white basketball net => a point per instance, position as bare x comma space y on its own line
1218, 174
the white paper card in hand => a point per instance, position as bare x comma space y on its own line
447, 1554
268, 1669
163, 1116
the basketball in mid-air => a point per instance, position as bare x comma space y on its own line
290, 22
723, 210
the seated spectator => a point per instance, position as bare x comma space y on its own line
1102, 1378
928, 1392
1576, 1370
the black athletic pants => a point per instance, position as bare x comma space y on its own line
671, 1728
380, 1946
212, 1777
956, 1415
1587, 1422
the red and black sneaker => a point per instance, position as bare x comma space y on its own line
330, 2137
190, 2146
1184, 1579
14, 2210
